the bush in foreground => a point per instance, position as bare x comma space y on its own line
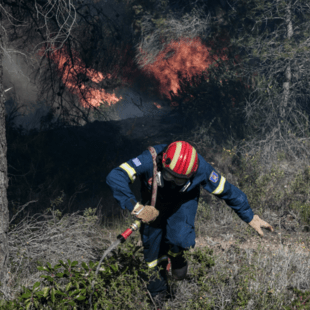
68, 285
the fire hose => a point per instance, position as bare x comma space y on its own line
136, 225
121, 238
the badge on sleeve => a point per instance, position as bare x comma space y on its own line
214, 177
137, 162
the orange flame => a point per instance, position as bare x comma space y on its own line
188, 57
157, 105
71, 69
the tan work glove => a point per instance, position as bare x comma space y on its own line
145, 213
257, 223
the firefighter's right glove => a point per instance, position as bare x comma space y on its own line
146, 214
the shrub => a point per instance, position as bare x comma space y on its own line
67, 285
301, 300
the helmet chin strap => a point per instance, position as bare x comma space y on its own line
160, 179
186, 186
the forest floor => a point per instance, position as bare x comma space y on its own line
224, 238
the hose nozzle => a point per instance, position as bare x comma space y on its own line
133, 227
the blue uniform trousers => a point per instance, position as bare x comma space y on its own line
171, 233
156, 252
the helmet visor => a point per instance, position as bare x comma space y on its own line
171, 178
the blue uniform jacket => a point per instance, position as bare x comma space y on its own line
181, 221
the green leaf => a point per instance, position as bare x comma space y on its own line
26, 290
69, 261
28, 305
45, 291
37, 284
114, 267
80, 298
49, 278
72, 303
74, 263
39, 294
74, 292
60, 274
41, 268
53, 294
60, 293
26, 295
84, 265
49, 265
68, 286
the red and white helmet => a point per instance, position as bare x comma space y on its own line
180, 159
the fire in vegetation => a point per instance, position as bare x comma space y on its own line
82, 81
179, 59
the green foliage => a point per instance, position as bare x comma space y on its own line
54, 204
249, 172
203, 211
300, 187
236, 286
303, 209
300, 302
301, 182
67, 285
242, 294
263, 186
90, 215
272, 188
57, 201
200, 261
203, 215
141, 8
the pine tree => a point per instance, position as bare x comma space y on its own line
273, 39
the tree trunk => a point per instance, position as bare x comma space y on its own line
4, 212
288, 75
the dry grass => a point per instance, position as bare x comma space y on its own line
275, 263
48, 238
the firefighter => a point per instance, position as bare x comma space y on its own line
168, 228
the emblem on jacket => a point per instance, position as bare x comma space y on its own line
214, 177
137, 162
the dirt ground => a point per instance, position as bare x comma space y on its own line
291, 238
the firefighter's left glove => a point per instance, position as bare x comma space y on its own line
146, 214
257, 223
